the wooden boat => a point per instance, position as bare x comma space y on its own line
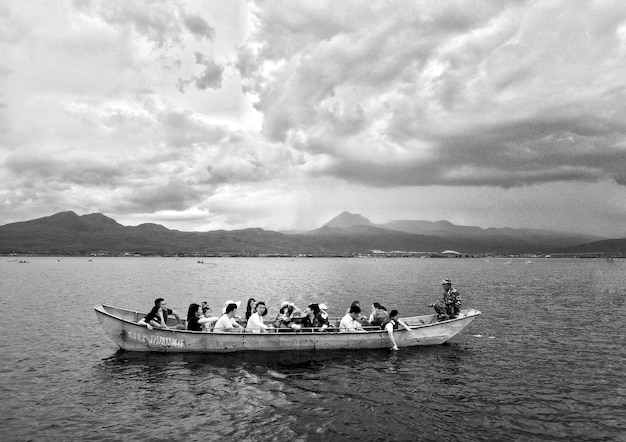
121, 327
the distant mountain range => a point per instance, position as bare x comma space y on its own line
346, 234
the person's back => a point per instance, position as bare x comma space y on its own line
223, 323
378, 316
154, 315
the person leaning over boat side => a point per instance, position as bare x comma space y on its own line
195, 319
379, 314
392, 323
157, 318
226, 322
350, 322
449, 306
255, 322
250, 307
313, 318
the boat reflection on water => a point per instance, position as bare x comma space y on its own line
294, 393
286, 359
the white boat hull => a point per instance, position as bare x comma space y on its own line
121, 327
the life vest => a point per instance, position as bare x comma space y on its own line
387, 321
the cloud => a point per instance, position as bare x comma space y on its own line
210, 78
34, 171
160, 22
379, 108
504, 94
166, 25
212, 75
173, 195
199, 27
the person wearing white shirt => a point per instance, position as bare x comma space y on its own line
226, 322
255, 322
350, 322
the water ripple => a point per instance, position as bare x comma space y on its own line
543, 363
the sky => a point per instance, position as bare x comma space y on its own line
229, 114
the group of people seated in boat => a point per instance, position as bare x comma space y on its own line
290, 318
314, 317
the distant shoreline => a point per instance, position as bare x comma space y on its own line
410, 255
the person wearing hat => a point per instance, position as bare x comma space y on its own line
324, 314
313, 318
449, 306
284, 320
295, 311
230, 301
324, 311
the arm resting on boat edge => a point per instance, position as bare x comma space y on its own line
143, 323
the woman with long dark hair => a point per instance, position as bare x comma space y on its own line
314, 319
250, 308
195, 319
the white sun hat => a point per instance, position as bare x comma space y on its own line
230, 301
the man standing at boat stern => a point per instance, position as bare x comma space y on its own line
449, 306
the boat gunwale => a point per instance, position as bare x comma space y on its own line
101, 308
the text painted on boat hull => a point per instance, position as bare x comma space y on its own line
156, 340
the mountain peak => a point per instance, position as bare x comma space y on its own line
69, 220
99, 220
347, 219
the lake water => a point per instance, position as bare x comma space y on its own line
545, 361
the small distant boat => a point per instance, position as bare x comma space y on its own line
121, 327
508, 262
529, 262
